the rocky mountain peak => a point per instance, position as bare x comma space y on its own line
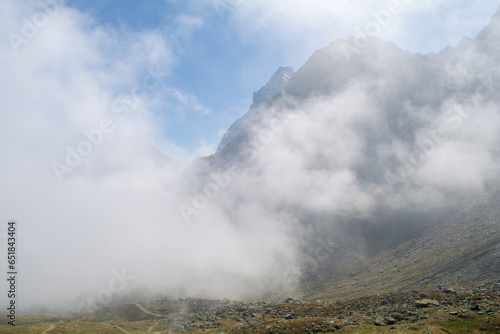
276, 84
491, 32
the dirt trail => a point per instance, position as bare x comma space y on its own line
51, 327
117, 327
150, 329
148, 312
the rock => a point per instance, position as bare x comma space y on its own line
398, 316
380, 322
426, 302
454, 313
474, 307
384, 321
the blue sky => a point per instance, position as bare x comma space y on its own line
221, 51
212, 63
229, 48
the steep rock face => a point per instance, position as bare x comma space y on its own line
489, 38
476, 58
274, 86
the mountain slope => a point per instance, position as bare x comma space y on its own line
464, 250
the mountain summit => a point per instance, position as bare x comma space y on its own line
274, 86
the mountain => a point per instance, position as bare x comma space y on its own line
463, 250
275, 85
368, 145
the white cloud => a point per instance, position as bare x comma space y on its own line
418, 26
190, 22
117, 205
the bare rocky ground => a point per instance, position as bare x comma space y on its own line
473, 309
439, 310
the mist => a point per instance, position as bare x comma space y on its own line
109, 210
